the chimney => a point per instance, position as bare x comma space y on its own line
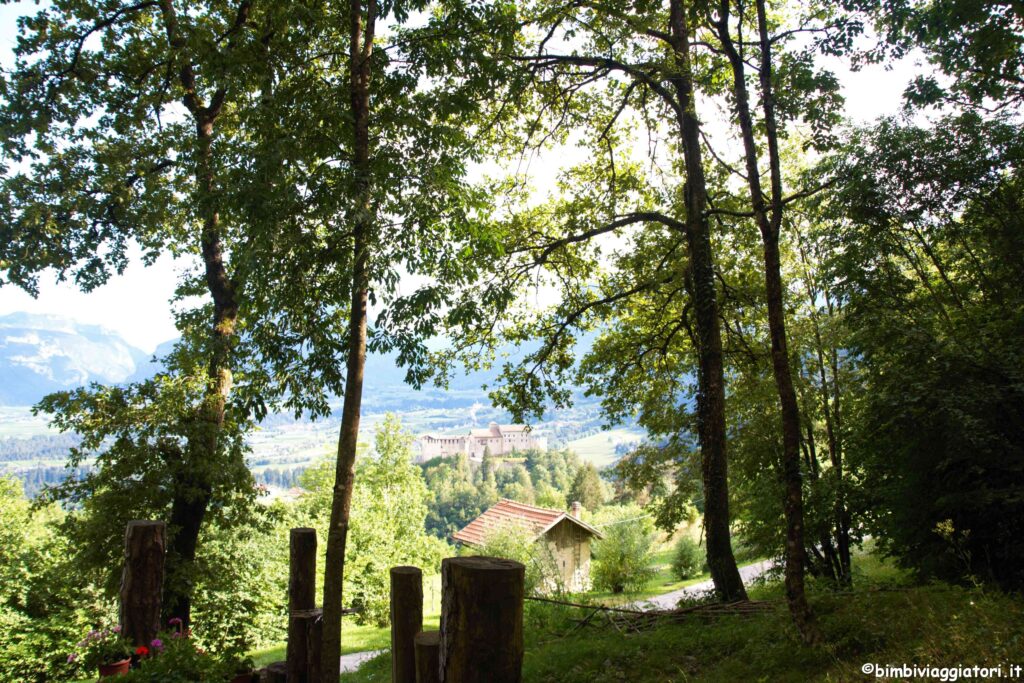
575, 509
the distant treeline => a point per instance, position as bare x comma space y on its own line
46, 447
35, 479
284, 478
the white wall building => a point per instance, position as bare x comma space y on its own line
500, 439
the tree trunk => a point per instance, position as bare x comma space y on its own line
360, 51
710, 376
829, 395
192, 491
769, 227
792, 479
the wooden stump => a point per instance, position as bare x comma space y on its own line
428, 645
312, 624
406, 621
301, 600
481, 620
274, 673
142, 581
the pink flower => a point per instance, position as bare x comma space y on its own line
156, 644
117, 629
72, 657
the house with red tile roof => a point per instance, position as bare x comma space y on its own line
564, 536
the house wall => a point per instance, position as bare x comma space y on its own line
431, 446
569, 546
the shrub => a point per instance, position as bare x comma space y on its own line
517, 543
687, 559
102, 646
622, 558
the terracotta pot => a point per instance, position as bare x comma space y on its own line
115, 668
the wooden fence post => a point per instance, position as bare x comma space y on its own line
406, 621
273, 673
428, 644
142, 580
301, 601
314, 645
481, 620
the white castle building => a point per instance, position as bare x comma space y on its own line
499, 439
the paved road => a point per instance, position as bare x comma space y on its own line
353, 661
669, 600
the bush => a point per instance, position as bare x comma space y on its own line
622, 558
389, 509
687, 559
174, 657
517, 543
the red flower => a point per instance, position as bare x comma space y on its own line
142, 650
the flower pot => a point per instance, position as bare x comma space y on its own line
115, 668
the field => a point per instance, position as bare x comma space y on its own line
599, 448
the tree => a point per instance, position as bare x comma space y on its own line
404, 188
686, 560
142, 143
652, 67
389, 511
982, 58
515, 483
622, 558
924, 247
47, 602
586, 488
487, 466
768, 214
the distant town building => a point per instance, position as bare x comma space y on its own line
565, 537
499, 439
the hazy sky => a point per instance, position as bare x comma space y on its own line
136, 303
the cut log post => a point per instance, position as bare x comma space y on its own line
481, 620
142, 580
406, 621
311, 622
301, 600
428, 645
274, 673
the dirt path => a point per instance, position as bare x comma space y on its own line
354, 660
668, 600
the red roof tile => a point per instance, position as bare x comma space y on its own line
509, 512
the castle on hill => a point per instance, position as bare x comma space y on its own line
498, 439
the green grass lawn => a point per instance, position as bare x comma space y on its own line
884, 621
663, 581
360, 638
